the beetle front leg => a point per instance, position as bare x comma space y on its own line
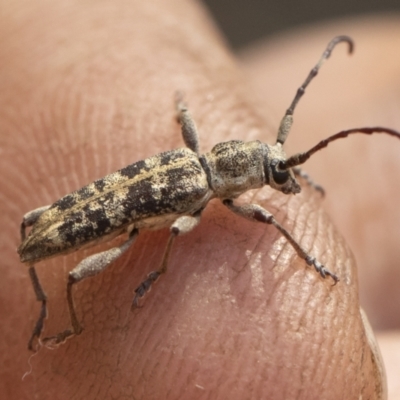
302, 174
254, 212
90, 266
181, 226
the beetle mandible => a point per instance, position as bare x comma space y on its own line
171, 190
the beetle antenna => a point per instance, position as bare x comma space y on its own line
300, 158
287, 119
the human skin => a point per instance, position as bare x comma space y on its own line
87, 88
360, 175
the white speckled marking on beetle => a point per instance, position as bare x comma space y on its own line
170, 189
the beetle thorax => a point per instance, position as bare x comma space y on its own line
234, 167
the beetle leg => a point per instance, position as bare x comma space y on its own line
28, 220
90, 266
254, 212
40, 296
189, 130
181, 226
302, 174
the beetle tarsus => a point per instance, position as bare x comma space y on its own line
324, 272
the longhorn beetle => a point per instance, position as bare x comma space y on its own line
171, 190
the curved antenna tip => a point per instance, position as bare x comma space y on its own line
340, 39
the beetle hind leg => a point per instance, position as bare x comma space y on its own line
89, 266
28, 220
40, 296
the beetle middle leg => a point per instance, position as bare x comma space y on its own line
254, 212
90, 266
181, 226
189, 130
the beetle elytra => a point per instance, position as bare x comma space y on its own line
170, 189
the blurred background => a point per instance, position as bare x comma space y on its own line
244, 21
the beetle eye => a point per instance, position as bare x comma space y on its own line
280, 177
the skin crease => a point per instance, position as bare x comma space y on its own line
87, 88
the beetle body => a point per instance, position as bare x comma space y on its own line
151, 194
147, 194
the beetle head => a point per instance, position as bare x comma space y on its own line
279, 178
